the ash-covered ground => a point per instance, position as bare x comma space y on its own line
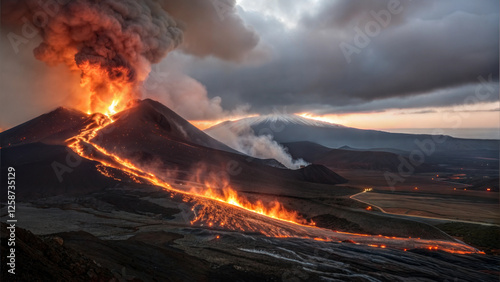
146, 234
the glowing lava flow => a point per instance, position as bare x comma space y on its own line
210, 212
229, 196
82, 143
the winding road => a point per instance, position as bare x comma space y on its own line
425, 219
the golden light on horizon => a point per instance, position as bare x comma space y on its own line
205, 124
325, 118
484, 116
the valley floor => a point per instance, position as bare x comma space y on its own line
145, 233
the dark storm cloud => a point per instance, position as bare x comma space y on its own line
121, 37
344, 13
212, 27
426, 49
466, 97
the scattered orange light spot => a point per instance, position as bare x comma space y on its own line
489, 189
217, 237
369, 208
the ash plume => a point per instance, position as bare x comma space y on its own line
110, 46
113, 43
243, 139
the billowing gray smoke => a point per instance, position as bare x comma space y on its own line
109, 46
243, 139
112, 42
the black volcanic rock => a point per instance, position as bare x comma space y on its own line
53, 127
41, 171
156, 119
48, 259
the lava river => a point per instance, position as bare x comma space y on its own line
225, 209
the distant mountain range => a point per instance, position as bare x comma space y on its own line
292, 128
347, 158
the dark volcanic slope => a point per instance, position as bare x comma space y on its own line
79, 256
149, 134
53, 127
291, 128
42, 170
156, 119
47, 259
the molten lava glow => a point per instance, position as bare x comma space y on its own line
216, 206
112, 109
110, 90
274, 210
83, 142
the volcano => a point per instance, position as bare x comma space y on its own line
134, 190
147, 133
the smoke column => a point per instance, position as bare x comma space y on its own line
113, 43
244, 139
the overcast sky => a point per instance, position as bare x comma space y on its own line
307, 59
323, 57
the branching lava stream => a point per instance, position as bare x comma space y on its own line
226, 209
